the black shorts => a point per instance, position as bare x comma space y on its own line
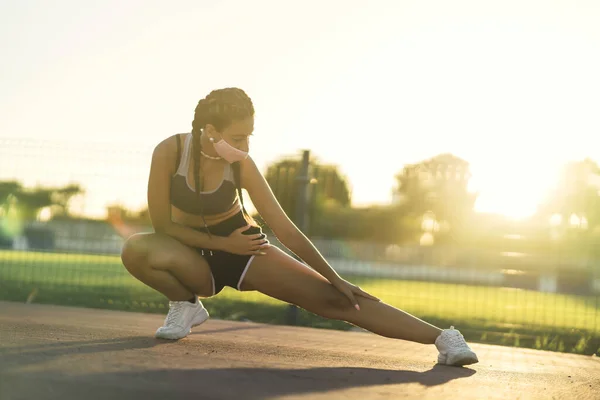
228, 269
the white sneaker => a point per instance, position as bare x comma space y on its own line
453, 349
182, 316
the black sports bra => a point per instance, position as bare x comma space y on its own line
184, 197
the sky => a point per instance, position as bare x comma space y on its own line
87, 89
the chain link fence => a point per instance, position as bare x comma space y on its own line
543, 300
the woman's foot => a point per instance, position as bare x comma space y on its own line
180, 320
453, 349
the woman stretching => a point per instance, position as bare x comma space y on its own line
205, 240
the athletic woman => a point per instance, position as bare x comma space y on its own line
205, 240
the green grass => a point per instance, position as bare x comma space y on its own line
485, 314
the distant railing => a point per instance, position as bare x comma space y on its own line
435, 263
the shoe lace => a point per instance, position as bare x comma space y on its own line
455, 338
175, 308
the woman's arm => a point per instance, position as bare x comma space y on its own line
286, 231
159, 203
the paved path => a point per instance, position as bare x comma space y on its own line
52, 352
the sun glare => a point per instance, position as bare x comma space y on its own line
514, 190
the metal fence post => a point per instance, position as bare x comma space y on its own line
302, 181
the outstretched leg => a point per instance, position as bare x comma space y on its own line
280, 276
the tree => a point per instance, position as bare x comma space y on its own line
378, 224
328, 185
8, 188
576, 198
437, 189
30, 201
61, 197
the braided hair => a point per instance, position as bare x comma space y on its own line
220, 108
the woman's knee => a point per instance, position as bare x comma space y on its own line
333, 303
145, 250
135, 251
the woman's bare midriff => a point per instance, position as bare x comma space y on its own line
196, 221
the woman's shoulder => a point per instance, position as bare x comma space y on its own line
247, 162
169, 144
167, 149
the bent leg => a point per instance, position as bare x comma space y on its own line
168, 266
280, 276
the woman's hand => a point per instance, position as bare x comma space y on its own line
351, 291
246, 244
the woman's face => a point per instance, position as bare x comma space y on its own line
237, 134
